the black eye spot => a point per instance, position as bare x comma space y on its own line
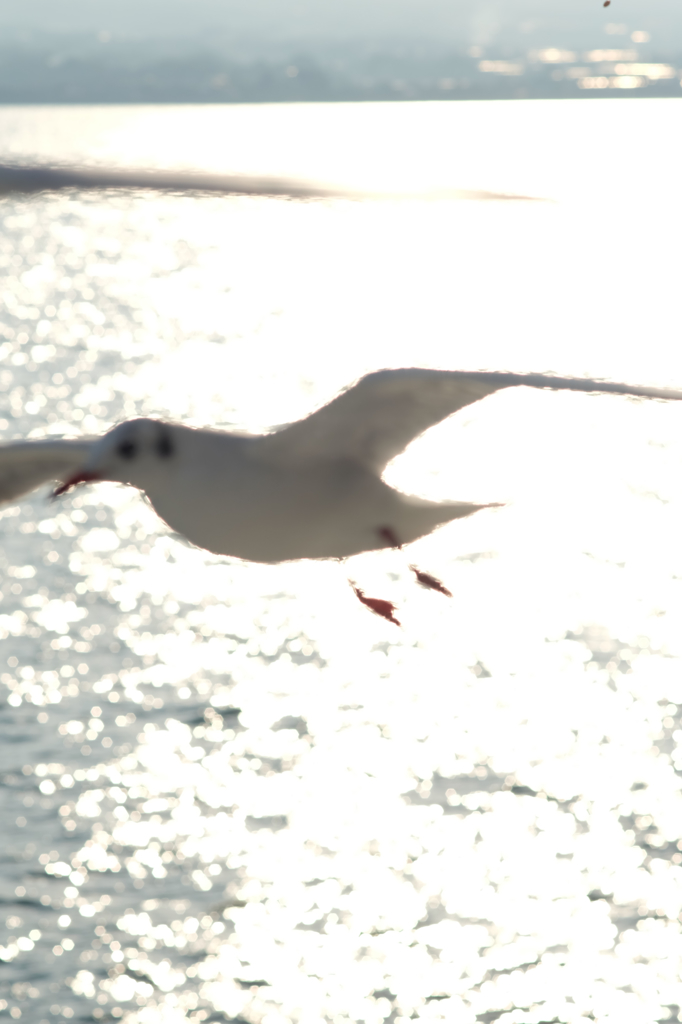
127, 449
164, 446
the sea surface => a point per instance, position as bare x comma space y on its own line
228, 791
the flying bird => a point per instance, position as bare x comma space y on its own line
311, 489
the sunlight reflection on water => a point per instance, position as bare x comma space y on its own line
229, 792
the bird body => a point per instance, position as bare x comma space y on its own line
266, 513
313, 489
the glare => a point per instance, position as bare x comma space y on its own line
255, 799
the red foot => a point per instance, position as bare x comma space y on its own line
388, 534
429, 581
379, 607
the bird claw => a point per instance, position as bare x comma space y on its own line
383, 608
429, 581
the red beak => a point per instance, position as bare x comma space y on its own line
77, 478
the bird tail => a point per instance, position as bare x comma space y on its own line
462, 509
419, 517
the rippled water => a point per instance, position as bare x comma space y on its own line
228, 791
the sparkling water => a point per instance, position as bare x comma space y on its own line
230, 792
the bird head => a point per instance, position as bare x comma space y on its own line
135, 452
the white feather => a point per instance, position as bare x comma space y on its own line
309, 490
376, 418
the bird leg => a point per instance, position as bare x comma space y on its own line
388, 534
429, 581
383, 608
380, 607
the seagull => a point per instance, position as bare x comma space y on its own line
312, 489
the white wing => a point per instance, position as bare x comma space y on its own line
376, 418
17, 178
24, 465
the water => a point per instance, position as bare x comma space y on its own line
228, 791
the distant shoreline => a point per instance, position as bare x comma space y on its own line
70, 71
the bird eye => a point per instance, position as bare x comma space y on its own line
164, 446
127, 449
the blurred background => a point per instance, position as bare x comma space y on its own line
184, 51
229, 794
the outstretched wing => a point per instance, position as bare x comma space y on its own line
25, 465
31, 179
377, 418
